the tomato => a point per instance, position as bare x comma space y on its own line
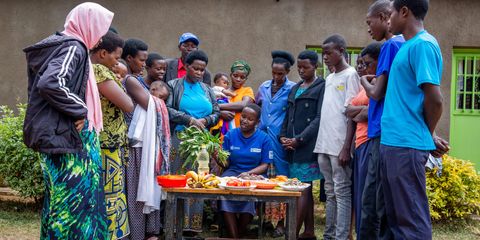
246, 184
233, 183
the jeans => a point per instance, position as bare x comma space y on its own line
402, 172
339, 197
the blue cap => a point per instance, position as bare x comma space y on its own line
188, 37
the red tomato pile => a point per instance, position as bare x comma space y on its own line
238, 183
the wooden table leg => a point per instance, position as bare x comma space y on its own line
180, 217
291, 219
170, 216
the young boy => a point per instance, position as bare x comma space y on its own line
156, 67
335, 138
413, 106
373, 220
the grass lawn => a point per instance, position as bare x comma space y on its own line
20, 221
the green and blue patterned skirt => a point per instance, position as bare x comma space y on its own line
74, 206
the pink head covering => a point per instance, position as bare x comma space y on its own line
88, 22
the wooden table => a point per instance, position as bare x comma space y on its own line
176, 196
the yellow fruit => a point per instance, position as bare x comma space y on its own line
192, 174
281, 178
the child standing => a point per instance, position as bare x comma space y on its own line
413, 106
335, 137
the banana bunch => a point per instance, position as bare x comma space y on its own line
197, 181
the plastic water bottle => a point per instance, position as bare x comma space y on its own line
203, 160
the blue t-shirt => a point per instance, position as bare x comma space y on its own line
247, 153
375, 108
419, 61
194, 102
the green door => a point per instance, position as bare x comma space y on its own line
465, 105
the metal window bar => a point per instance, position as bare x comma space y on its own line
459, 86
474, 79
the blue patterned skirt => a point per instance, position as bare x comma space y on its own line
74, 206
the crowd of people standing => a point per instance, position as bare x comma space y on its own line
105, 115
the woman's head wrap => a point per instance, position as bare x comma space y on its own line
240, 65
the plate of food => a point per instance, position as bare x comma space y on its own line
251, 177
293, 185
237, 185
265, 184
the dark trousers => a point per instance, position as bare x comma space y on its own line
404, 187
360, 168
373, 219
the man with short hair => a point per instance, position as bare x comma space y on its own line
413, 106
187, 43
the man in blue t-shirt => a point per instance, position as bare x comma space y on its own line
373, 223
413, 106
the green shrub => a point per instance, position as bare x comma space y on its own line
456, 193
19, 165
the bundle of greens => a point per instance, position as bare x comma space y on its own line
191, 141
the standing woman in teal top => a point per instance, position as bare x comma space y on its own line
191, 103
299, 132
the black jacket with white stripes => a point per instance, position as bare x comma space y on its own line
58, 70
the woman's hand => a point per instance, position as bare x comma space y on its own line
197, 123
244, 174
227, 115
79, 124
285, 141
289, 143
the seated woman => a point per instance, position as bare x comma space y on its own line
250, 152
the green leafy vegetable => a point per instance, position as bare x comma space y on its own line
191, 143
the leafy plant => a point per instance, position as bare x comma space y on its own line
19, 165
191, 143
456, 193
